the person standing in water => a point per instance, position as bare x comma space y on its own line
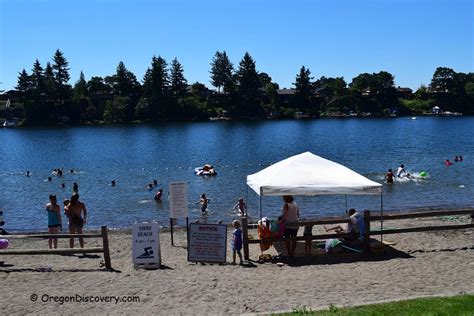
241, 206
401, 171
203, 201
77, 213
389, 176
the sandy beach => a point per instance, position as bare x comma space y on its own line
416, 265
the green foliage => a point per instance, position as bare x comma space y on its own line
248, 85
302, 311
304, 90
222, 72
418, 106
457, 305
45, 96
178, 81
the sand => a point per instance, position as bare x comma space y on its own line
418, 265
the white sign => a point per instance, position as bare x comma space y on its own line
146, 244
207, 243
178, 199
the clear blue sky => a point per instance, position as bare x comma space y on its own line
332, 38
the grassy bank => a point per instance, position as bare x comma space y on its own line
456, 305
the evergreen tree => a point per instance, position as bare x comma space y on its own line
24, 83
38, 76
80, 88
80, 99
222, 72
125, 84
60, 69
155, 88
304, 89
248, 85
178, 81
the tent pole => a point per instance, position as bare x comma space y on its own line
260, 204
381, 217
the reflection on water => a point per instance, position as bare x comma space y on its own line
134, 156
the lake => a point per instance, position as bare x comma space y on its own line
135, 155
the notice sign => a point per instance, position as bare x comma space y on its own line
146, 244
207, 243
178, 200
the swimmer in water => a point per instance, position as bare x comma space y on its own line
389, 176
158, 195
447, 163
149, 186
112, 183
28, 173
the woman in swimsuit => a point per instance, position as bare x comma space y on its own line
54, 220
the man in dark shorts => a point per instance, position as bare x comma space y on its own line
77, 213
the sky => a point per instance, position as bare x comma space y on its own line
332, 38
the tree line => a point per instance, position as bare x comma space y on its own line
241, 92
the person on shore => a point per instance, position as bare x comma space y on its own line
236, 241
77, 213
241, 206
203, 201
75, 187
401, 171
355, 227
291, 214
389, 177
159, 195
54, 220
308, 231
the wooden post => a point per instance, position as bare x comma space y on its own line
171, 231
472, 218
245, 233
366, 245
105, 240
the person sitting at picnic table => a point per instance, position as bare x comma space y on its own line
355, 227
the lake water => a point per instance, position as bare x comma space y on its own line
135, 155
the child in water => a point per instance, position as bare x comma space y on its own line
241, 206
158, 195
389, 176
236, 241
203, 201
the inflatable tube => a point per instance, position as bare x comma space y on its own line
201, 172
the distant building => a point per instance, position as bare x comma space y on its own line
286, 95
405, 92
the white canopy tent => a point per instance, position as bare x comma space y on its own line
309, 174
